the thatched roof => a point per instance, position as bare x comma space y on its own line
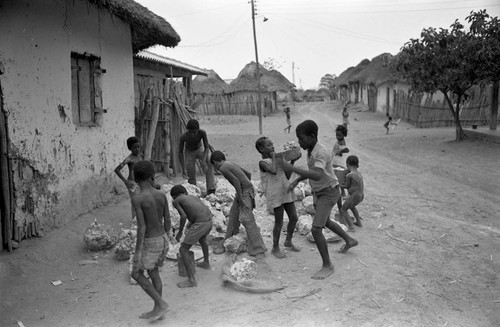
270, 81
375, 72
210, 84
147, 28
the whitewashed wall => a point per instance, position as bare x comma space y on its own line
68, 169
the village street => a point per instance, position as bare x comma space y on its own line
428, 252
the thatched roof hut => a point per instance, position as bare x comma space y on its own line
270, 81
210, 84
375, 72
147, 28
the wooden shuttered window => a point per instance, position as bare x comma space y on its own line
86, 91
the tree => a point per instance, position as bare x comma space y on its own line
272, 64
326, 82
452, 61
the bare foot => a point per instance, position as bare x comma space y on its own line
351, 229
348, 245
146, 315
204, 265
358, 223
292, 246
278, 254
187, 283
323, 273
159, 313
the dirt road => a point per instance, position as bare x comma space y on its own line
428, 253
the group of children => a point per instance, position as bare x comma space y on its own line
153, 218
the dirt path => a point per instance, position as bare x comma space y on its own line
428, 254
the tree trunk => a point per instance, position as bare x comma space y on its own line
459, 132
494, 105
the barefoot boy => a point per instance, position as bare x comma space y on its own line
243, 204
355, 187
153, 226
134, 157
326, 192
199, 226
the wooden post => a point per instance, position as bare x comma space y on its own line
152, 129
494, 105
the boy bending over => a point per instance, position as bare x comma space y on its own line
199, 226
153, 226
243, 204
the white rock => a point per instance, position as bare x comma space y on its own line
304, 224
308, 205
236, 243
244, 269
100, 237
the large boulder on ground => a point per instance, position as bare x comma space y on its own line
175, 218
243, 269
100, 237
304, 224
236, 244
308, 205
218, 220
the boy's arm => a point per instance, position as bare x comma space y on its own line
347, 183
141, 230
182, 221
206, 146
182, 142
288, 174
118, 171
269, 168
314, 173
167, 221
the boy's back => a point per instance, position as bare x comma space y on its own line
153, 204
195, 210
229, 170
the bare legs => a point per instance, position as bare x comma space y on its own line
278, 225
154, 290
189, 264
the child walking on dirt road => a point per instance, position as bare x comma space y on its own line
153, 226
199, 226
326, 192
244, 202
288, 121
355, 186
275, 183
388, 123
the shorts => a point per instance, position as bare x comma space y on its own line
153, 254
197, 231
323, 202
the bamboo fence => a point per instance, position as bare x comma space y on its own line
233, 104
161, 119
424, 111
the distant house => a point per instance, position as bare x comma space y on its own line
273, 85
210, 83
67, 90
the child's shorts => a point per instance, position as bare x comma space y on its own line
324, 200
197, 231
153, 253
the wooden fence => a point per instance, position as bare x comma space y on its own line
234, 104
161, 119
424, 111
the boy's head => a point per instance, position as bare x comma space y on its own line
264, 145
193, 125
307, 134
143, 171
352, 161
216, 158
340, 132
178, 190
134, 145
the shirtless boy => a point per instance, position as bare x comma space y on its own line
198, 227
355, 187
243, 204
325, 189
153, 226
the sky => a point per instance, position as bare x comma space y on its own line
305, 39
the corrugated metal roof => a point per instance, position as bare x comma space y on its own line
146, 55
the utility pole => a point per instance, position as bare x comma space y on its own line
293, 79
259, 100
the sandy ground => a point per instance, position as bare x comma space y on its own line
428, 252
